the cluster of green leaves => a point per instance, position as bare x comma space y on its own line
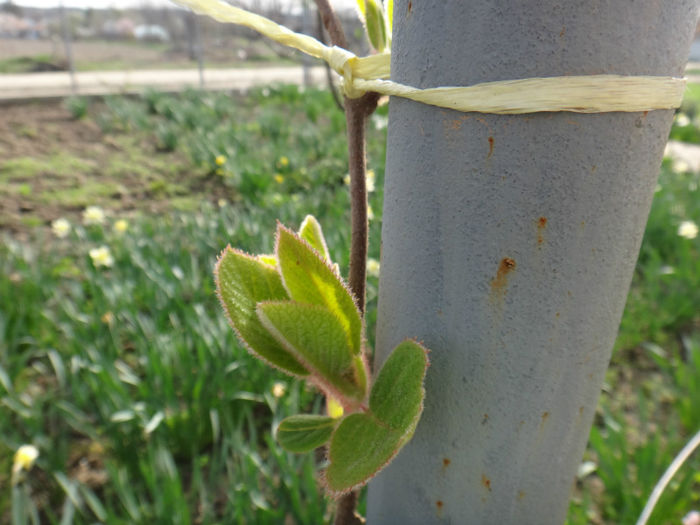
293, 311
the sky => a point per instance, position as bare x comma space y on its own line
103, 4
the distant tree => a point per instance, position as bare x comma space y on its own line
10, 7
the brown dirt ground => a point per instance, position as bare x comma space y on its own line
67, 157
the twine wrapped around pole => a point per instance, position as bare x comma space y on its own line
577, 94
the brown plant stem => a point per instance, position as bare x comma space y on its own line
329, 72
356, 112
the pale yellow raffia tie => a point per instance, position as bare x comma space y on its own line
579, 94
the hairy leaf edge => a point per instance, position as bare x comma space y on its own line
349, 404
328, 264
240, 338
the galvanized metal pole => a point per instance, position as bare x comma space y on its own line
509, 244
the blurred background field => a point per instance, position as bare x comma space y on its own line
116, 361
120, 367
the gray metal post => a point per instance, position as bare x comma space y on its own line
65, 30
509, 244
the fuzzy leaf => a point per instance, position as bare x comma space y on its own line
310, 279
316, 337
364, 443
375, 25
360, 447
361, 9
304, 433
242, 281
312, 233
397, 394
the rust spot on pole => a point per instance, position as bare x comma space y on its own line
541, 226
410, 7
446, 462
545, 417
498, 283
485, 419
486, 482
490, 148
439, 504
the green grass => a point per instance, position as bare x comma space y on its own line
146, 409
26, 64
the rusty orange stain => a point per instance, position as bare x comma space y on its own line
439, 504
485, 420
446, 462
486, 482
410, 6
541, 225
545, 416
490, 148
498, 283
562, 32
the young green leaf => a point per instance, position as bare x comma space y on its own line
242, 281
375, 25
397, 394
362, 9
312, 233
360, 447
310, 279
389, 15
365, 443
317, 338
304, 433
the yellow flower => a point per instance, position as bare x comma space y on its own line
107, 318
283, 162
101, 257
121, 226
220, 160
370, 213
688, 229
370, 178
279, 178
333, 407
682, 120
24, 459
373, 267
278, 389
93, 215
222, 203
60, 228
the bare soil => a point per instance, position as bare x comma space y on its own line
52, 166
